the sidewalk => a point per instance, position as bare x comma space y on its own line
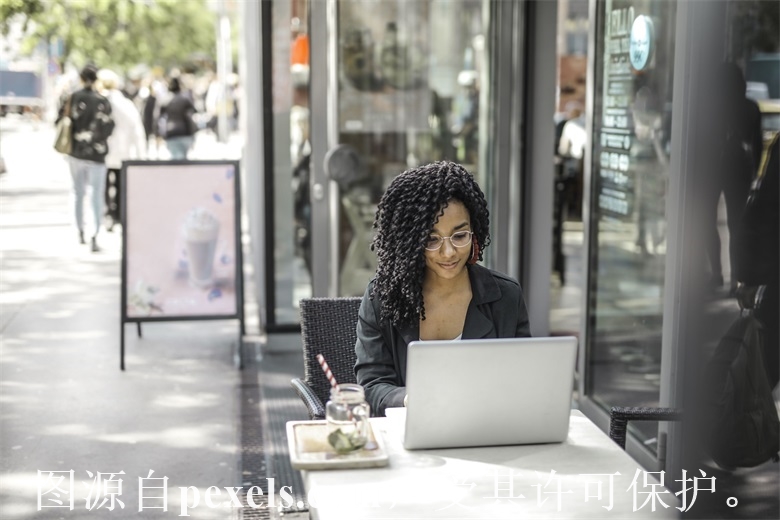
64, 404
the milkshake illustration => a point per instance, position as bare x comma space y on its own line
201, 230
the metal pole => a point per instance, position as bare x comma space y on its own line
224, 69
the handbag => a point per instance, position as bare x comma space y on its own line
63, 141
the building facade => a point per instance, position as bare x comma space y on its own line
607, 136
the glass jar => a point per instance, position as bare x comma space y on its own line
347, 414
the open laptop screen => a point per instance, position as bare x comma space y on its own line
489, 392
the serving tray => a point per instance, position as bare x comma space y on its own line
309, 449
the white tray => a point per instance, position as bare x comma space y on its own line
309, 449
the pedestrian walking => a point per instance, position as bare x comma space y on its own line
92, 124
128, 140
736, 159
177, 124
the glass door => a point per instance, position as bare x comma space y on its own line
630, 171
287, 159
394, 84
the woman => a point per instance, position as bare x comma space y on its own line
126, 142
92, 124
176, 123
431, 229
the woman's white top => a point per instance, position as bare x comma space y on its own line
459, 337
128, 140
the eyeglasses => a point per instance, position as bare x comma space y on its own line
459, 239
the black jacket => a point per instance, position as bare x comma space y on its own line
497, 310
92, 124
178, 113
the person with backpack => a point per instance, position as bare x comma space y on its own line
743, 426
91, 126
759, 251
176, 123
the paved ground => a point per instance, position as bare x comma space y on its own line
64, 404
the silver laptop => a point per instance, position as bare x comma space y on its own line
489, 392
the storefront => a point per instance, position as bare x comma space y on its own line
355, 92
675, 140
351, 93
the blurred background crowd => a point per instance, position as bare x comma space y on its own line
142, 46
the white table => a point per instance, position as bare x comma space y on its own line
509, 482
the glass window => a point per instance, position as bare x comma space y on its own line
290, 151
410, 77
631, 147
741, 238
570, 140
409, 84
728, 246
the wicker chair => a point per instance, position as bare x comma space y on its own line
619, 417
328, 327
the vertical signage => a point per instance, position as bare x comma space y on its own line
616, 180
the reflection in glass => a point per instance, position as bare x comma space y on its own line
742, 245
567, 283
291, 152
409, 78
631, 136
739, 260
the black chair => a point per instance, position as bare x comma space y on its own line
328, 327
619, 417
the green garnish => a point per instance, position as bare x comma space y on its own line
344, 443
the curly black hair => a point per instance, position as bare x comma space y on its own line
406, 214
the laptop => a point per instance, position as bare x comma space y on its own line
489, 392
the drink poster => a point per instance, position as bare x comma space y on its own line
181, 240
